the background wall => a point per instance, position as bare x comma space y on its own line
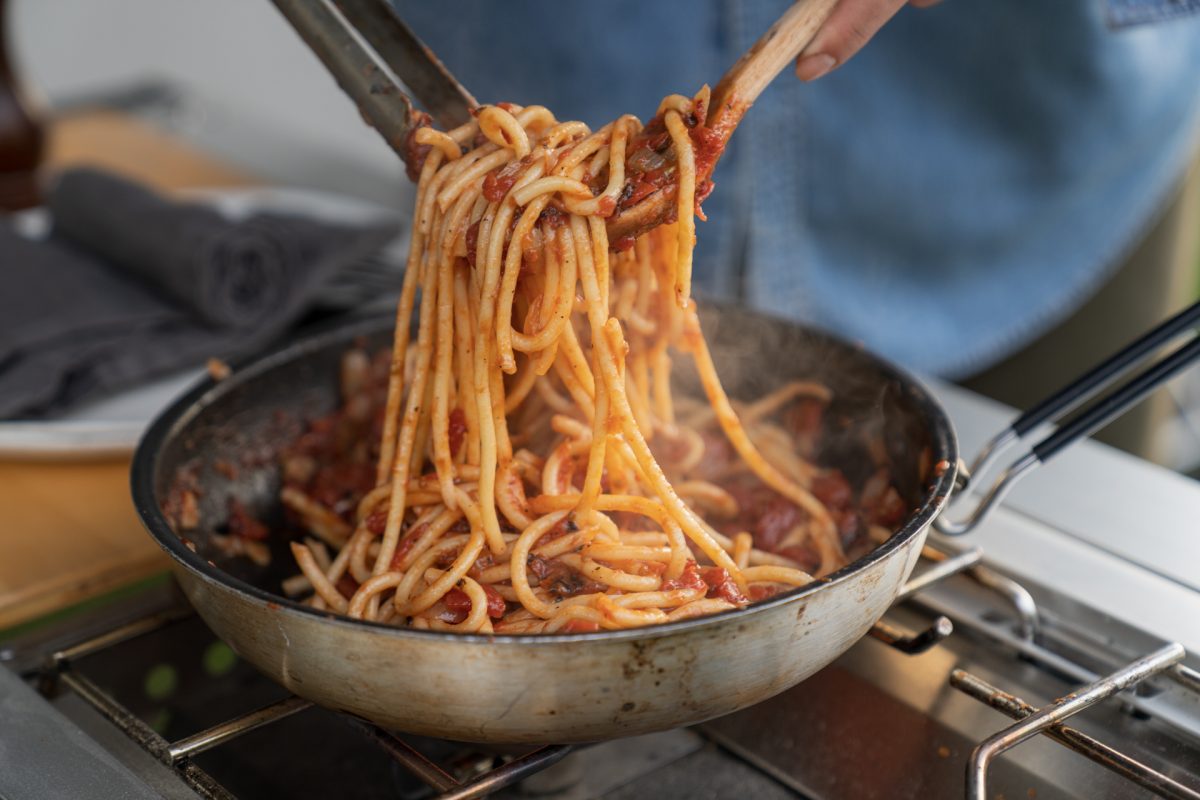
250, 89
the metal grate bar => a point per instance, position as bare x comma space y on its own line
912, 644
1029, 621
1064, 707
1078, 741
946, 564
143, 735
231, 729
409, 758
1022, 602
1186, 677
123, 633
510, 773
943, 568
58, 669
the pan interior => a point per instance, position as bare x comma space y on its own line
225, 438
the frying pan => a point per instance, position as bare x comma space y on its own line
545, 688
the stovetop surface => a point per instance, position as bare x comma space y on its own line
877, 723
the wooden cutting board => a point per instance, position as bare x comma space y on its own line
68, 531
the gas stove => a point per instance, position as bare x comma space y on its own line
1085, 577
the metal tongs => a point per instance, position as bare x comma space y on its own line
343, 34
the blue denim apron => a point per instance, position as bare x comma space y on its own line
956, 189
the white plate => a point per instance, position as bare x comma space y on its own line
112, 426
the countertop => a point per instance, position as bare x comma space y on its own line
69, 531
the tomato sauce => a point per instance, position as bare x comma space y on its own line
721, 586
559, 579
415, 153
243, 525
458, 429
688, 579
458, 603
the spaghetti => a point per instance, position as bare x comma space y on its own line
534, 472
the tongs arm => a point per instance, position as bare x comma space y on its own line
377, 81
1103, 376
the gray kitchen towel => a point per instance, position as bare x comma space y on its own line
130, 286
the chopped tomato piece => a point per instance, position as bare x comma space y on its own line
347, 586
402, 549
377, 521
496, 603
721, 585
243, 525
688, 579
776, 522
459, 602
559, 579
832, 489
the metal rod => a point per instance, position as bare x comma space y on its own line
1186, 677
1029, 622
943, 569
995, 493
1080, 742
989, 749
204, 784
380, 100
141, 733
1028, 619
1038, 654
986, 455
912, 644
434, 87
407, 757
231, 729
510, 773
130, 630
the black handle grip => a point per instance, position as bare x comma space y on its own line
1097, 377
1118, 402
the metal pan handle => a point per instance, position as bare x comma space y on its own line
1093, 418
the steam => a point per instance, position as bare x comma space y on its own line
870, 417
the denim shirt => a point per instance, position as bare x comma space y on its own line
1136, 12
950, 193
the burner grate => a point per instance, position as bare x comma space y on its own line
1078, 741
1022, 637
1049, 719
178, 755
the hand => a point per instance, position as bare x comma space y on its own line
849, 27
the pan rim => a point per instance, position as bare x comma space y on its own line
188, 405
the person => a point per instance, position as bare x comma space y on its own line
945, 195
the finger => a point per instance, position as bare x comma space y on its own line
849, 27
923, 3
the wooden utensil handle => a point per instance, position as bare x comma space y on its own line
776, 49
